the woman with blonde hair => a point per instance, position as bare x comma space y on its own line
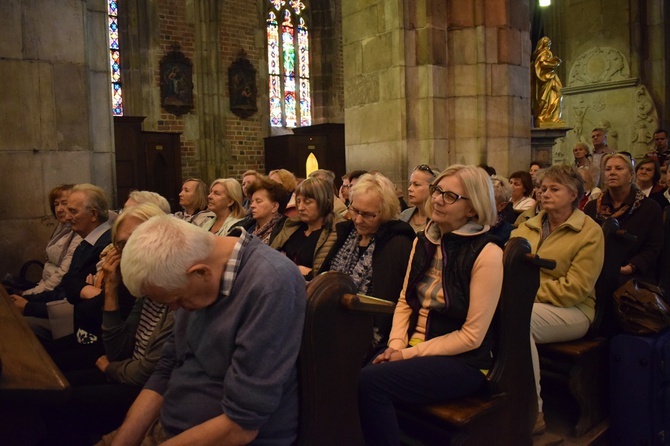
373, 247
225, 201
441, 337
419, 182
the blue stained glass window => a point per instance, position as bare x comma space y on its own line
288, 64
114, 58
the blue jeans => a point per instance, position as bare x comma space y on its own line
420, 380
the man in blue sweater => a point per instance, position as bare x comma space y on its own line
228, 374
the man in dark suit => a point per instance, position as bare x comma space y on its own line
88, 214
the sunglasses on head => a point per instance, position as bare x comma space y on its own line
425, 168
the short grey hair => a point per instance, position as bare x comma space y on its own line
146, 196
95, 199
161, 251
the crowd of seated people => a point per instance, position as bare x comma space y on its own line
440, 331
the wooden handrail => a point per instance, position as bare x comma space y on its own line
366, 304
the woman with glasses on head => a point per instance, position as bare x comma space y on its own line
309, 237
373, 247
419, 182
441, 335
565, 302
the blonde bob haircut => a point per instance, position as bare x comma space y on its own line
383, 189
234, 192
160, 252
141, 212
478, 189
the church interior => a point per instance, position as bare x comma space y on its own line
144, 94
391, 85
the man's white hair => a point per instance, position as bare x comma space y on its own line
160, 252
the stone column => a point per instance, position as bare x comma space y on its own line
436, 82
489, 83
57, 125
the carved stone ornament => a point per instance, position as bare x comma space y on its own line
242, 86
176, 72
599, 65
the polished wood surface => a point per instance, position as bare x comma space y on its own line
28, 373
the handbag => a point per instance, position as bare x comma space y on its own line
640, 308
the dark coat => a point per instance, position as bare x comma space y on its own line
393, 244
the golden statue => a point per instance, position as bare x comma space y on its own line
546, 87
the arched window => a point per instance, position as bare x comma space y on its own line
288, 64
117, 100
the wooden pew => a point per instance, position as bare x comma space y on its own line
28, 377
504, 413
582, 365
336, 338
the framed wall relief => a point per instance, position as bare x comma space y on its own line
242, 86
176, 72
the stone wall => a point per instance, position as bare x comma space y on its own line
614, 71
57, 124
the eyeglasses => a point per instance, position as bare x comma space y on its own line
367, 216
424, 168
448, 196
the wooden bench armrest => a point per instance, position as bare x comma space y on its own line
463, 411
366, 304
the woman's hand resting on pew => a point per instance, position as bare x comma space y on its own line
389, 355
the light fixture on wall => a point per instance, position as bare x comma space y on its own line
544, 3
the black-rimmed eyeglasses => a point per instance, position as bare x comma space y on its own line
448, 196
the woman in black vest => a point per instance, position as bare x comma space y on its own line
440, 340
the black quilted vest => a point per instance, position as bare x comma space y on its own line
459, 254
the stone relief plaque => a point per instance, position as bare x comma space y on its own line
601, 93
599, 65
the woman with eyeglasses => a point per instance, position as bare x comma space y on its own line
565, 302
419, 197
441, 336
373, 247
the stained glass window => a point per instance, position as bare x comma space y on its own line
115, 65
288, 64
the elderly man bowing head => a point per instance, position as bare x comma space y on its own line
228, 374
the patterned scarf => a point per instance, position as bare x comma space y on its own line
348, 261
265, 231
606, 210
